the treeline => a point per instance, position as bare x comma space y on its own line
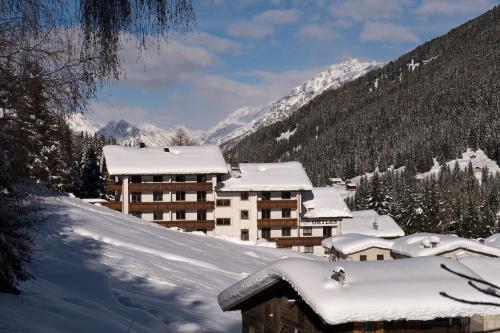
452, 201
433, 102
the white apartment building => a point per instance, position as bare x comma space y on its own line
193, 188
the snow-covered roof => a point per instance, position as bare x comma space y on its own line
493, 240
487, 268
362, 222
122, 160
416, 245
287, 176
373, 291
352, 243
324, 202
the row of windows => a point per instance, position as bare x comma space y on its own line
178, 179
201, 196
363, 257
201, 215
244, 197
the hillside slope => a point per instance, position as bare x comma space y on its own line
247, 120
437, 100
97, 270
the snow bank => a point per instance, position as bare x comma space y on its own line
122, 160
97, 270
373, 291
352, 243
324, 202
287, 176
369, 222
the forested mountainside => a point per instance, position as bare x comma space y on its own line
434, 101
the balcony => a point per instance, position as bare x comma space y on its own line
167, 187
268, 204
173, 205
116, 205
189, 225
296, 241
276, 223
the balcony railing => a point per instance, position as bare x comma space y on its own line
267, 204
173, 205
168, 187
296, 241
116, 205
270, 223
189, 225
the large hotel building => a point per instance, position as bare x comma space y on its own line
193, 188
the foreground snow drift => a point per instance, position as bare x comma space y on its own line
100, 271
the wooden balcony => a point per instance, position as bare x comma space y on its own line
296, 241
268, 204
276, 223
116, 205
189, 225
166, 187
173, 205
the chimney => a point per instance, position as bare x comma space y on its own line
434, 241
339, 275
142, 145
481, 240
375, 225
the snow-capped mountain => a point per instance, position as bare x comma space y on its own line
127, 134
80, 123
249, 119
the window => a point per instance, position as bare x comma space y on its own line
223, 221
201, 215
244, 215
265, 195
180, 178
136, 196
244, 195
362, 257
380, 257
307, 231
223, 202
201, 179
286, 231
286, 212
201, 196
266, 214
180, 196
157, 196
308, 249
158, 179
266, 232
136, 214
136, 179
244, 235
286, 195
180, 214
327, 231
157, 215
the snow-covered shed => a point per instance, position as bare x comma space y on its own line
287, 176
120, 160
316, 296
350, 246
369, 222
324, 203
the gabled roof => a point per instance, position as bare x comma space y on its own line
286, 176
416, 245
324, 202
122, 160
362, 222
373, 291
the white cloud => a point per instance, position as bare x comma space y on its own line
321, 32
387, 32
263, 25
361, 10
453, 7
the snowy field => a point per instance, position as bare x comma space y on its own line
97, 270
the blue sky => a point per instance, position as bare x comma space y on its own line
250, 52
